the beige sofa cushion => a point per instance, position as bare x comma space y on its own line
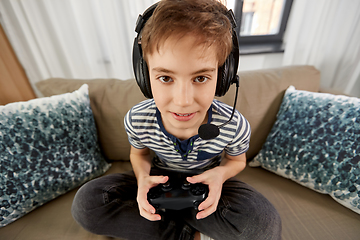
259, 99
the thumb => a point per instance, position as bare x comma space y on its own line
160, 179
195, 179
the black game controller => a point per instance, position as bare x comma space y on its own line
177, 194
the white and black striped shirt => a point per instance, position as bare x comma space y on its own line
144, 127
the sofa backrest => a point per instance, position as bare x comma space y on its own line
259, 99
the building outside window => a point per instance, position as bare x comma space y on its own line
261, 24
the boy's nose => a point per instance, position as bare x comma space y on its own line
183, 94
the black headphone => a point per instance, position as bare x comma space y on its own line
226, 72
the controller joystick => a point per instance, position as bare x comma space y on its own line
166, 187
177, 194
186, 185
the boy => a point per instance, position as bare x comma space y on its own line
183, 43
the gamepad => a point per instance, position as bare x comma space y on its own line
177, 194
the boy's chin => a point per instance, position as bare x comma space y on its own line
183, 130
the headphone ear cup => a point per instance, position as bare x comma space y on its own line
228, 71
145, 82
220, 78
141, 71
142, 77
224, 79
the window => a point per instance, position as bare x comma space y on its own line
261, 24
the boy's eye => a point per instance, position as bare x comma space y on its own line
201, 79
165, 79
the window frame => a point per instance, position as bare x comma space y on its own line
261, 43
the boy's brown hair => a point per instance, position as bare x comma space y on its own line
205, 19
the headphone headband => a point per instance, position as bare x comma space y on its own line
142, 19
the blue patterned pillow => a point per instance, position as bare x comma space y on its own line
315, 141
48, 146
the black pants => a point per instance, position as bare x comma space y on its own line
108, 206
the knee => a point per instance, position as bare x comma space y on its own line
271, 223
265, 221
86, 197
84, 203
253, 216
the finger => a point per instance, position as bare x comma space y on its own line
143, 202
146, 206
209, 201
159, 179
195, 179
147, 210
150, 216
206, 212
208, 206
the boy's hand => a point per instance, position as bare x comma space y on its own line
144, 184
214, 180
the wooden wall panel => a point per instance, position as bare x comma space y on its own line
14, 84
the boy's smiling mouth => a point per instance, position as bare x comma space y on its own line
183, 116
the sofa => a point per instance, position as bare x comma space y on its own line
307, 212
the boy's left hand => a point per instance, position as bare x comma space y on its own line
214, 180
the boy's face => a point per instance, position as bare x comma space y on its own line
183, 79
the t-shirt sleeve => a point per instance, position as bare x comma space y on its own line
133, 138
241, 140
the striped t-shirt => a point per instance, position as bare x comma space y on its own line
144, 127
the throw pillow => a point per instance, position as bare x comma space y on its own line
110, 99
315, 142
48, 146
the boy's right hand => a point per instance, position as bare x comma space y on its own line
144, 185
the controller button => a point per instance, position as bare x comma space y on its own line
196, 205
198, 190
153, 195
